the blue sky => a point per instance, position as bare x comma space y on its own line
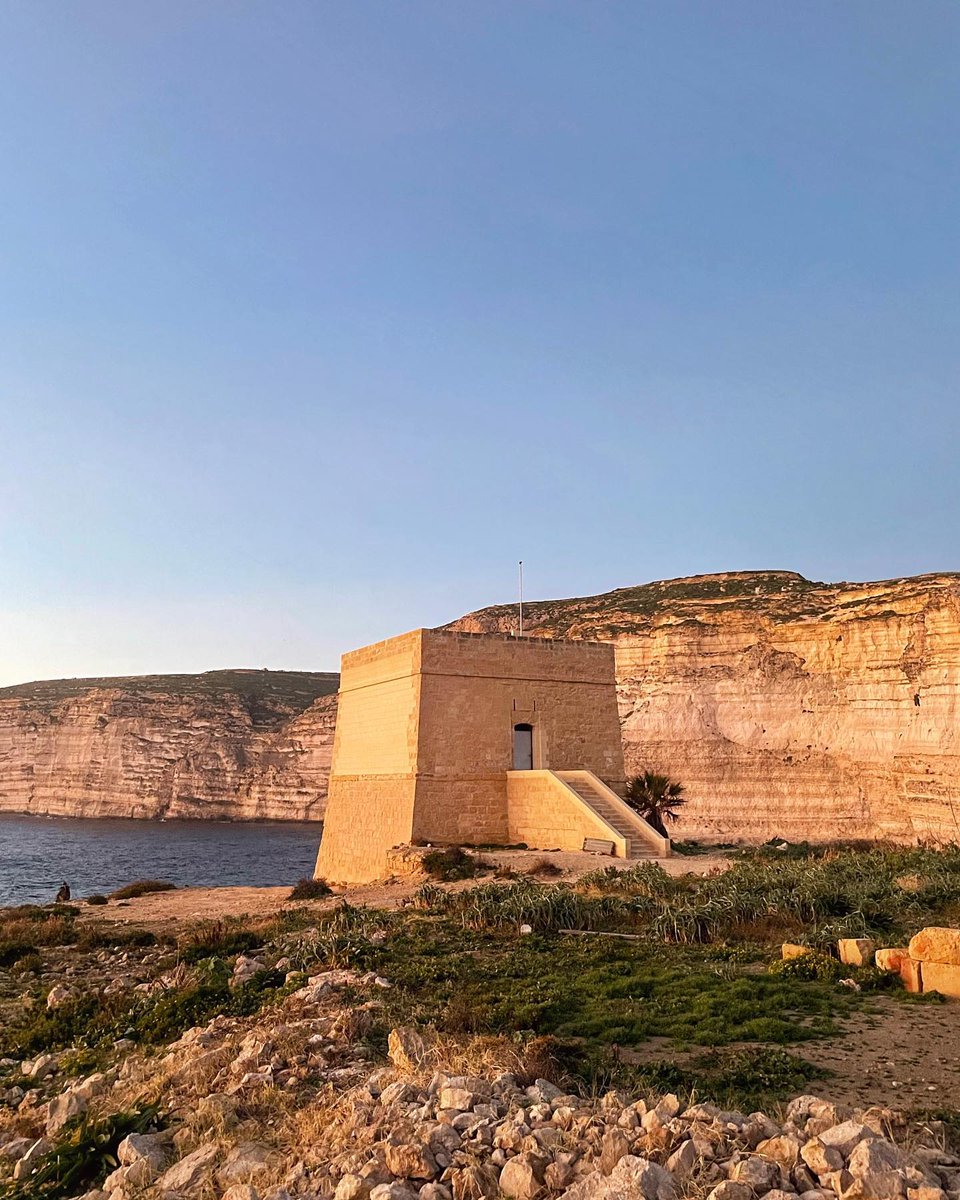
314, 318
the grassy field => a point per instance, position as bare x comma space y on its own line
696, 969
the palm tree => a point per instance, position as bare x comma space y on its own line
654, 797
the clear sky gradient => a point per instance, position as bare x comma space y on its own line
315, 317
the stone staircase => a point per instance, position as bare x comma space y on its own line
628, 824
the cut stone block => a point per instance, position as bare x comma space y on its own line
856, 952
941, 977
911, 974
790, 950
936, 944
890, 958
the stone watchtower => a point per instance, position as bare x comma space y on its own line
451, 738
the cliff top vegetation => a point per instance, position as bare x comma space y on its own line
267, 695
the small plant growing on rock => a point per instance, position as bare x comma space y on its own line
310, 889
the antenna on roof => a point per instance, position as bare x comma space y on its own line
521, 599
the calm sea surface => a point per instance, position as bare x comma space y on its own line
38, 853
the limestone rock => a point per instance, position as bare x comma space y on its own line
522, 1177
408, 1049
941, 977
936, 944
190, 1172
856, 952
821, 1159
758, 1173
242, 1163
890, 958
730, 1189
791, 950
63, 1109
393, 1191
241, 1191
845, 1136
179, 746
410, 1161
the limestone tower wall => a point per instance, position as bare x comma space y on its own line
425, 738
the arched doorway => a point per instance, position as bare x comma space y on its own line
523, 747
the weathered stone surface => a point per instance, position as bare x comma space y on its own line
821, 1159
242, 1163
890, 957
522, 1177
791, 950
936, 944
911, 972
845, 1136
393, 1191
782, 1149
63, 1109
758, 1173
881, 1185
941, 977
856, 952
872, 1156
241, 1191
787, 708
475, 1182
183, 746
189, 1172
730, 1189
410, 1161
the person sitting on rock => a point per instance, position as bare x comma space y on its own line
64, 894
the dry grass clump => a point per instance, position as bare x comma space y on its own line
310, 889
545, 867
494, 1055
142, 887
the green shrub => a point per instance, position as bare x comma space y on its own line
85, 1154
29, 964
13, 952
452, 863
141, 887
810, 966
310, 889
96, 899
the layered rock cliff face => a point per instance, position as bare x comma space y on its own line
243, 745
787, 708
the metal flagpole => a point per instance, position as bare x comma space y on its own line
521, 597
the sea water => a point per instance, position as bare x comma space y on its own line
37, 854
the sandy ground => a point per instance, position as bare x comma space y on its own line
165, 910
901, 1055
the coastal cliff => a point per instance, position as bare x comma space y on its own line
240, 745
787, 708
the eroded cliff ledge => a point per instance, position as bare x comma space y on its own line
788, 708
243, 745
